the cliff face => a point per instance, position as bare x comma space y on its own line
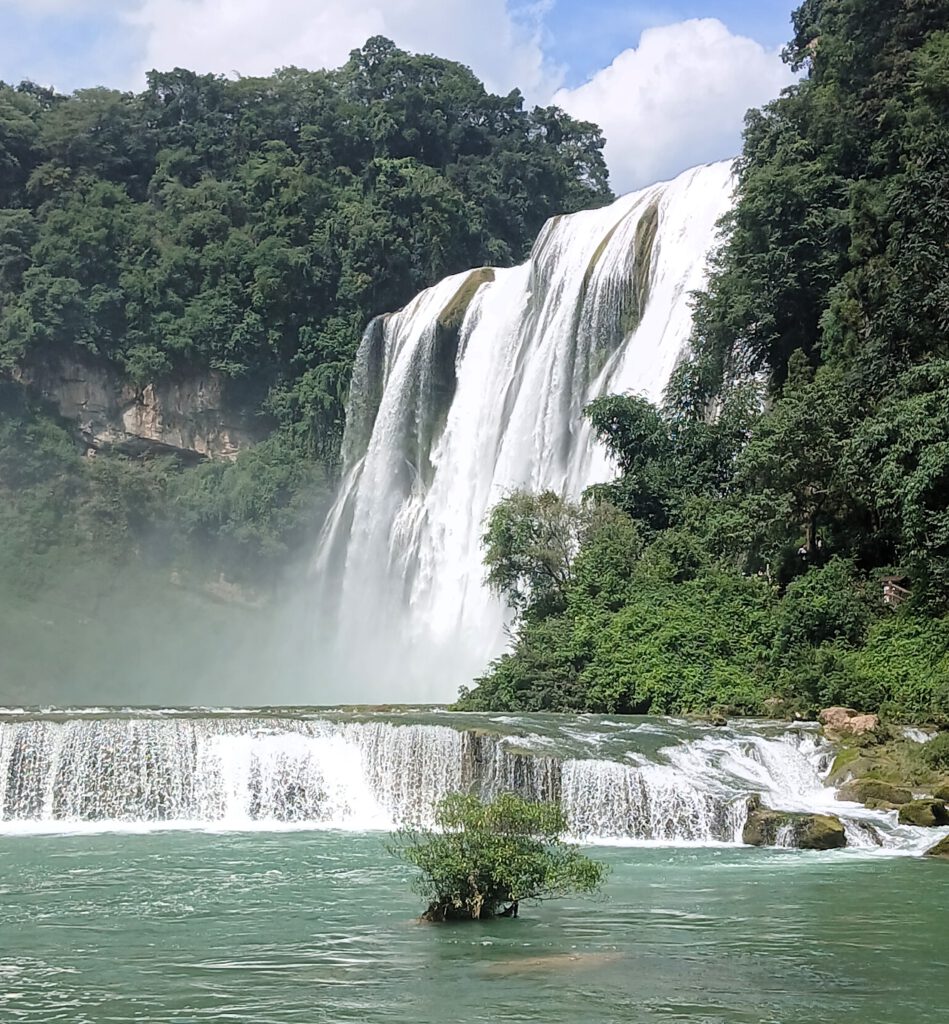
188, 416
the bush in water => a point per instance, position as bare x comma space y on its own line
482, 859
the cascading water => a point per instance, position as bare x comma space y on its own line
476, 388
651, 781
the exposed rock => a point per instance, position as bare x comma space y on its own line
860, 725
870, 831
847, 722
765, 827
836, 717
942, 792
941, 849
774, 706
863, 791
188, 415
925, 813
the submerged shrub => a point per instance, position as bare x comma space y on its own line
482, 859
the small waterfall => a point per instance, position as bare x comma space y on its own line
605, 800
240, 772
478, 387
255, 771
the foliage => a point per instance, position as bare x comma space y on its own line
483, 856
800, 454
250, 227
532, 541
242, 224
935, 753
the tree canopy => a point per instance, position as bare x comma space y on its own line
252, 227
485, 856
255, 225
800, 455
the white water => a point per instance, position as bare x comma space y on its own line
437, 434
254, 772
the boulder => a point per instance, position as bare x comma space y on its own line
861, 725
847, 722
925, 813
863, 791
836, 717
765, 827
941, 849
942, 792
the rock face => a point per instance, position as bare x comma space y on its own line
847, 722
765, 827
925, 813
941, 849
863, 791
187, 415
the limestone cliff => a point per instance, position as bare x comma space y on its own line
188, 415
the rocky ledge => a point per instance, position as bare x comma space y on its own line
766, 827
187, 415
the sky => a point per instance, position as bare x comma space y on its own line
669, 81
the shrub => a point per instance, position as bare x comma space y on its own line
935, 753
483, 857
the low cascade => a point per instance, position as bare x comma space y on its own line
245, 771
477, 387
236, 772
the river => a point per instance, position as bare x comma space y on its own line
275, 911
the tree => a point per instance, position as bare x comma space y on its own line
482, 857
792, 468
531, 542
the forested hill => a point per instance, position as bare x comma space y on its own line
779, 534
250, 227
255, 225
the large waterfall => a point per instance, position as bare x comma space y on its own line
475, 388
626, 780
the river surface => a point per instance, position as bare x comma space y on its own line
190, 866
301, 927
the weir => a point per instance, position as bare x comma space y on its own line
474, 389
259, 771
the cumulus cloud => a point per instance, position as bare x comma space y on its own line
676, 100
254, 37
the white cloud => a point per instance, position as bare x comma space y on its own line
677, 100
254, 37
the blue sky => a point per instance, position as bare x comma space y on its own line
680, 73
586, 36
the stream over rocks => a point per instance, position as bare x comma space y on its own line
620, 780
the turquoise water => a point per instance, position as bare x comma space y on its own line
311, 926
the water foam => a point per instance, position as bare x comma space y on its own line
258, 772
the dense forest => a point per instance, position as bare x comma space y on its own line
798, 471
251, 227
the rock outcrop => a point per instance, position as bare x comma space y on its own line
188, 415
841, 722
941, 849
874, 792
766, 827
925, 813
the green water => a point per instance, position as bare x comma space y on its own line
304, 927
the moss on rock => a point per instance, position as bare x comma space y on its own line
766, 827
453, 315
941, 849
863, 791
925, 813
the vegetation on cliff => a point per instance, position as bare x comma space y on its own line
251, 227
483, 859
797, 471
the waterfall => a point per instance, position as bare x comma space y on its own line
475, 388
253, 770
